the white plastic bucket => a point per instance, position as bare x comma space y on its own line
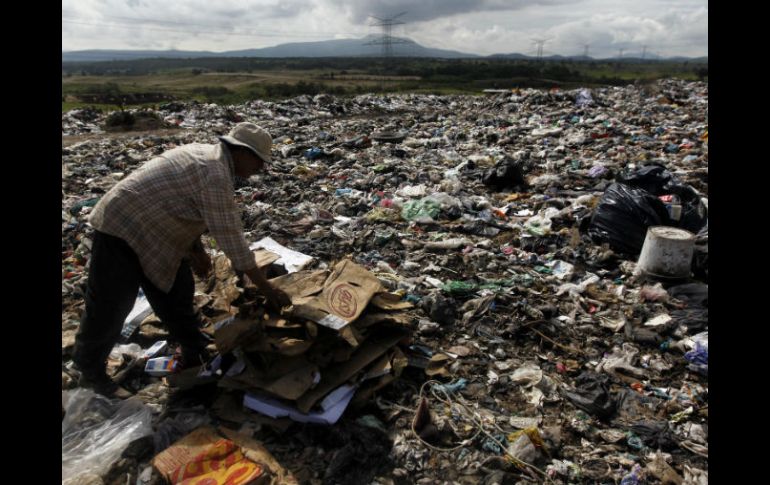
667, 253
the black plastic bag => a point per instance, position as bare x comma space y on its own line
479, 228
506, 173
694, 217
592, 395
695, 319
656, 434
633, 408
700, 262
651, 178
657, 180
440, 309
696, 295
623, 215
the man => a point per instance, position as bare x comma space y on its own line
147, 234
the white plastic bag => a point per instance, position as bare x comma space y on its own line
96, 430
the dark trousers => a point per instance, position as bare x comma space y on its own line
114, 278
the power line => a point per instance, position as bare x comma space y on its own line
387, 40
540, 43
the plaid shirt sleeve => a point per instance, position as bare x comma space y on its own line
222, 218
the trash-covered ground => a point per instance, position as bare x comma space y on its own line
512, 223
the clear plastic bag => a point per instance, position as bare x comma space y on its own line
133, 350
96, 430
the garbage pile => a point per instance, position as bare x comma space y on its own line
512, 224
337, 343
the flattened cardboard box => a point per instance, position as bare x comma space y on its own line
368, 352
341, 299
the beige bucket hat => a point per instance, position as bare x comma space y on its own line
251, 136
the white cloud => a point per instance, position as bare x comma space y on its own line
474, 26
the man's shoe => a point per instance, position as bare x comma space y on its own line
101, 383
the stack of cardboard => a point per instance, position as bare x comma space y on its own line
337, 341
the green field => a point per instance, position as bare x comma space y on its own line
230, 81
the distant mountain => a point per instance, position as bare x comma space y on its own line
326, 48
510, 56
696, 60
348, 48
340, 48
555, 57
631, 58
120, 55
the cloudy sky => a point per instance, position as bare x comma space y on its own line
567, 27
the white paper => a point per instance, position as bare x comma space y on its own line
521, 422
332, 321
141, 310
292, 260
333, 406
657, 321
434, 282
411, 191
156, 348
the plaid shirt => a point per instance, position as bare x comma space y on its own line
161, 209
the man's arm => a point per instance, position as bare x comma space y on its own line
200, 261
223, 220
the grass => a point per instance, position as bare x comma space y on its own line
279, 82
107, 108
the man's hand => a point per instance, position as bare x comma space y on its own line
276, 298
200, 261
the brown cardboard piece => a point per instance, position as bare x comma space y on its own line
377, 378
380, 368
280, 323
301, 284
438, 365
265, 258
288, 378
390, 301
276, 336
345, 294
367, 353
281, 345
235, 334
